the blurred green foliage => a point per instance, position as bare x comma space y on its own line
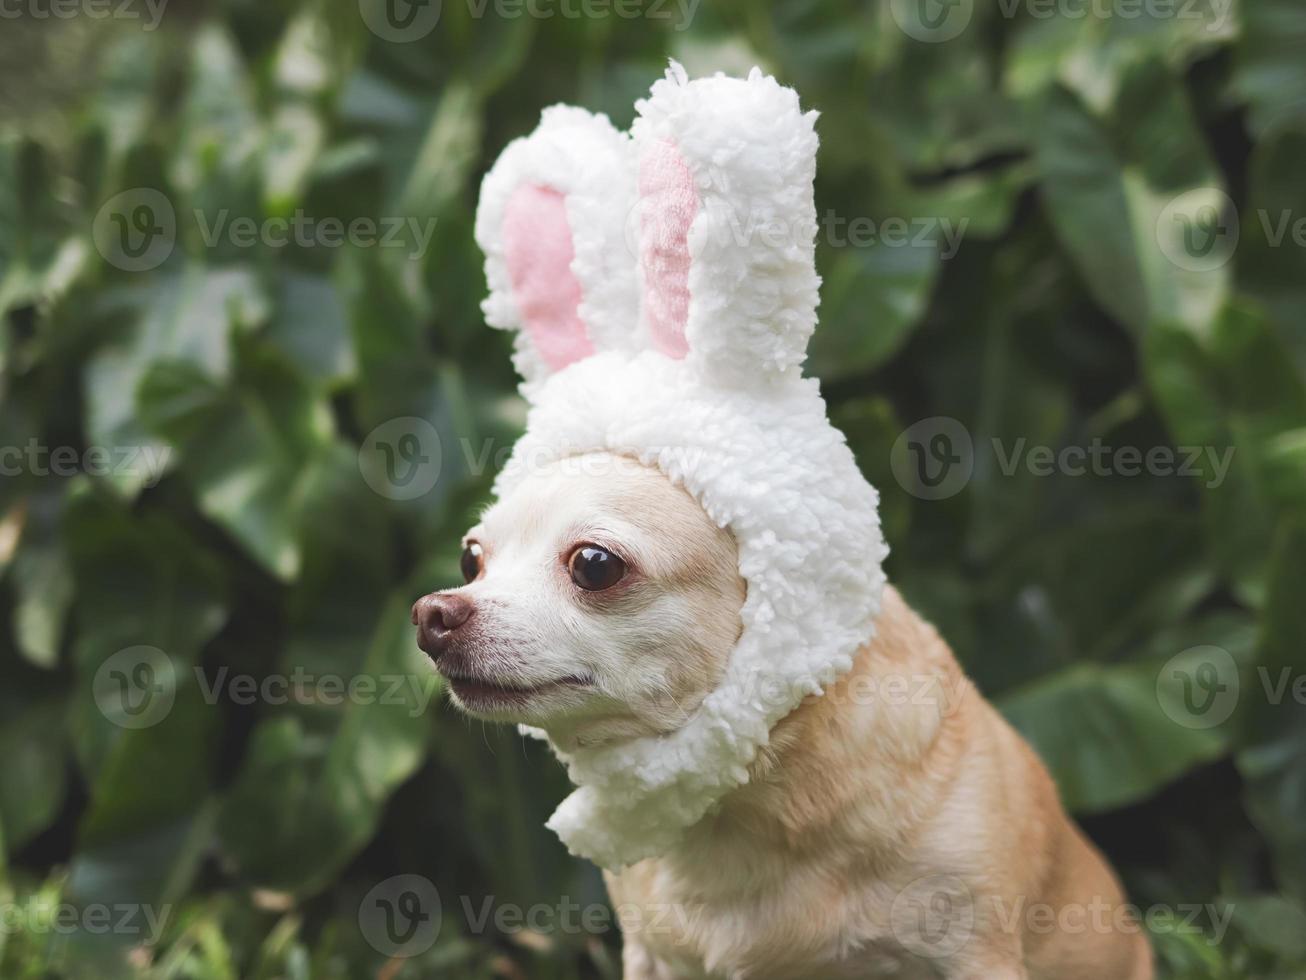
1125, 182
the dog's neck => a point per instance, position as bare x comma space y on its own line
900, 704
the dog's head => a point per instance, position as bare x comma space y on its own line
661, 289
601, 603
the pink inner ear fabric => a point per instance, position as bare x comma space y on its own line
538, 246
669, 205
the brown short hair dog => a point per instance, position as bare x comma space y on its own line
896, 826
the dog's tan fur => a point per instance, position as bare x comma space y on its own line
864, 800
895, 827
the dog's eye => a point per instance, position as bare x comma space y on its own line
471, 560
594, 569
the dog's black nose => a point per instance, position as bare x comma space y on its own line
437, 616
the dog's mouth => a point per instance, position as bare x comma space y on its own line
491, 694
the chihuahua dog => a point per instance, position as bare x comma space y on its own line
896, 826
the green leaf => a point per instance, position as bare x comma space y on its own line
1093, 52
1272, 244
444, 160
33, 779
39, 253
871, 428
219, 126
1274, 766
1102, 732
1270, 74
1236, 397
140, 581
43, 582
1125, 209
1047, 604
185, 317
249, 448
310, 329
295, 139
872, 299
318, 771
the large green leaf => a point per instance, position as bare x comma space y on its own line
318, 770
1144, 220
1274, 765
249, 448
1237, 398
310, 330
42, 580
33, 780
1272, 245
148, 599
183, 317
1093, 52
141, 582
873, 297
1271, 76
1113, 735
39, 255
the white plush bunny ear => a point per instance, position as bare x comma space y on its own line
727, 223
550, 222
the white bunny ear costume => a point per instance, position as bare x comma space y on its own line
663, 287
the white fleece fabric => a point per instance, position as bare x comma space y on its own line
734, 422
593, 165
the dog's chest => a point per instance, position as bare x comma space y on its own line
751, 923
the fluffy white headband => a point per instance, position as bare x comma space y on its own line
663, 288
